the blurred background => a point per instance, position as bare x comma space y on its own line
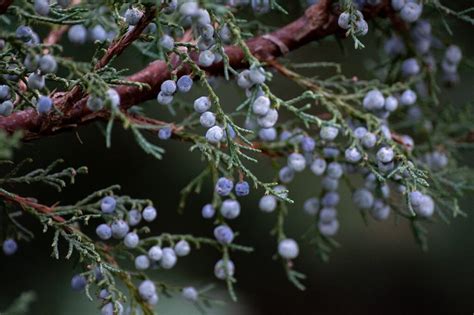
378, 269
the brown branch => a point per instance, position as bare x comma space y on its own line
4, 4
31, 203
318, 21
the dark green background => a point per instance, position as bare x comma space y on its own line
378, 270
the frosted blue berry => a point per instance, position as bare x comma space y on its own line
107, 204
281, 191
205, 44
203, 17
202, 104
330, 199
168, 87
44, 104
286, 174
318, 166
103, 231
353, 155
267, 203
78, 282
164, 99
328, 228
230, 209
329, 183
242, 189
206, 58
360, 132
134, 217
149, 214
171, 7
190, 294
146, 289
119, 228
224, 269
48, 64
42, 7
35, 81
391, 104
288, 248
113, 98
267, 134
132, 16
394, 46
155, 253
185, 83
98, 33
77, 34
416, 198
109, 309
224, 186
9, 246
169, 258
208, 211
374, 100
260, 6
165, 133
411, 12
214, 134
361, 27
142, 262
167, 43
104, 294
261, 105
369, 140
449, 68
243, 80
453, 54
385, 154
98, 274
363, 198
24, 33
182, 248
397, 5
410, 67
257, 75
4, 92
334, 170
206, 31
327, 215
231, 131
344, 20
408, 97
94, 103
297, 162
380, 211
6, 108
311, 206
131, 240
436, 160
308, 144
225, 34
207, 119
328, 133
224, 234
269, 120
385, 168
422, 204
